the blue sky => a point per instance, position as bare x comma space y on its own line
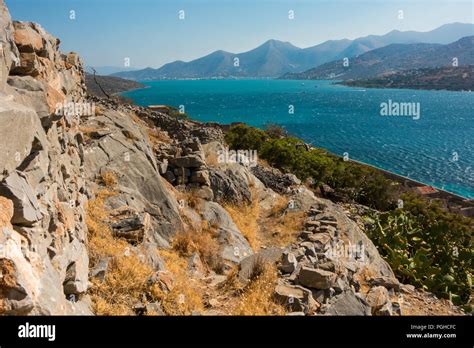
150, 33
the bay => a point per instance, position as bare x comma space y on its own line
436, 149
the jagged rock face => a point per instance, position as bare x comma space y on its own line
120, 147
43, 254
58, 76
8, 51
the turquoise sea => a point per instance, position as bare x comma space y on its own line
437, 148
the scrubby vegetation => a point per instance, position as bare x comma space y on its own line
424, 244
257, 296
126, 280
174, 112
427, 247
202, 242
361, 184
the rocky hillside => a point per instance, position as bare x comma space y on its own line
116, 209
393, 58
101, 86
448, 78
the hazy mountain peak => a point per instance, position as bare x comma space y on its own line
274, 58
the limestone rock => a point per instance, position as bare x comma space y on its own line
148, 253
230, 184
26, 206
234, 245
347, 303
296, 298
289, 262
6, 212
316, 278
377, 297
21, 135
270, 256
8, 52
191, 161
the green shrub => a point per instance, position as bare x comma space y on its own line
361, 184
427, 247
275, 131
291, 155
364, 185
174, 112
243, 137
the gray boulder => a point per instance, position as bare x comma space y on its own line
271, 256
316, 278
347, 303
295, 298
234, 245
26, 207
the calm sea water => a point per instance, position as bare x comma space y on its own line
437, 148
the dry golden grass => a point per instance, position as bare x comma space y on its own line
246, 218
257, 296
101, 241
264, 163
190, 197
204, 243
125, 282
98, 111
281, 227
156, 136
135, 118
212, 159
109, 179
186, 295
124, 285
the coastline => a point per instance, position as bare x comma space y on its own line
458, 198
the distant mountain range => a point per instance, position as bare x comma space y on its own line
275, 58
393, 58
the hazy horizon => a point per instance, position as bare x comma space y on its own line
151, 34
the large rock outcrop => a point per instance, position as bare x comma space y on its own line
44, 259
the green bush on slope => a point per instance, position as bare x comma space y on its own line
427, 246
363, 185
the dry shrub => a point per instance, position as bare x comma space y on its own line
246, 219
204, 243
8, 281
109, 179
212, 159
232, 283
281, 226
125, 281
257, 296
101, 241
186, 296
192, 198
124, 285
98, 111
157, 136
